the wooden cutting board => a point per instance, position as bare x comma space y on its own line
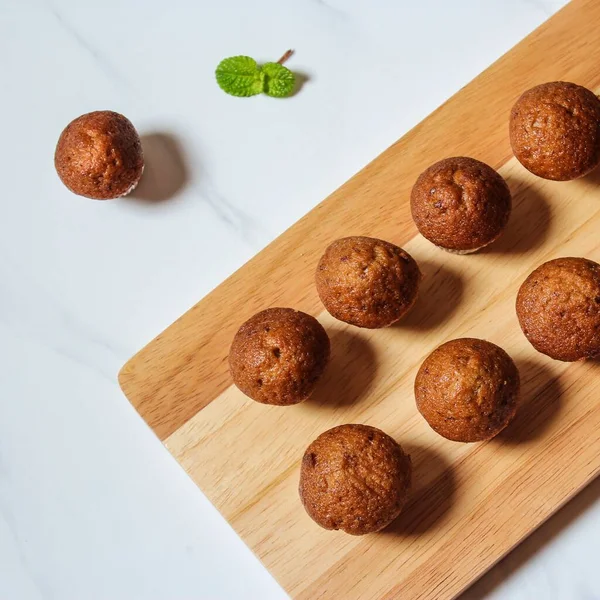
471, 503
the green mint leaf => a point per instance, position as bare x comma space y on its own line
278, 80
240, 76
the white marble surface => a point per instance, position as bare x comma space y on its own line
91, 505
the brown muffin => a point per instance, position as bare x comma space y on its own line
460, 204
467, 390
354, 478
99, 155
278, 355
558, 307
367, 282
555, 130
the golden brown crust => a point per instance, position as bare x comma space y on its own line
367, 282
558, 307
99, 155
555, 130
278, 355
460, 204
355, 478
467, 390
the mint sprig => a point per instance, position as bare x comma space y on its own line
278, 81
241, 76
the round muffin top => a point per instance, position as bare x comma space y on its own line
467, 390
278, 355
555, 130
354, 478
558, 307
99, 155
367, 282
460, 204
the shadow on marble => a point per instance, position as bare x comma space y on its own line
540, 405
533, 544
428, 502
165, 173
440, 295
301, 80
350, 374
529, 224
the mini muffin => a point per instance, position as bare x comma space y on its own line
367, 282
278, 355
467, 390
354, 478
555, 130
99, 155
460, 204
558, 307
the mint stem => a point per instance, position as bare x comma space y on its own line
285, 56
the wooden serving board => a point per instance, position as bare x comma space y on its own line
471, 503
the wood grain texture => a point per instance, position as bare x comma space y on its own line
168, 387
471, 503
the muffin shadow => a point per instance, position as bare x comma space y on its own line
165, 173
429, 501
351, 372
440, 294
593, 177
540, 404
529, 223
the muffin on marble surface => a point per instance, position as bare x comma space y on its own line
367, 282
460, 204
558, 307
99, 155
278, 355
467, 390
355, 478
555, 130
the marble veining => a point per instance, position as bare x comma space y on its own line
98, 57
239, 221
91, 505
